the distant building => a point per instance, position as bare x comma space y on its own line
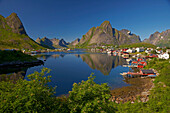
140, 49
163, 56
159, 51
131, 50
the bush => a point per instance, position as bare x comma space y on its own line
29, 96
88, 96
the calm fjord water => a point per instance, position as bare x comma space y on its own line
75, 67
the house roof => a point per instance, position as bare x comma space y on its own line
146, 71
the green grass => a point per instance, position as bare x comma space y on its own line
142, 44
10, 40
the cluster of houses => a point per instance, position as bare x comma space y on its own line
125, 53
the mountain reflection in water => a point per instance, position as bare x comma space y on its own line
102, 62
68, 68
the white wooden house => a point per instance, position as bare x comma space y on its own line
163, 56
139, 49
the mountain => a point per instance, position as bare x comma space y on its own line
13, 34
75, 42
52, 43
105, 34
45, 42
159, 39
15, 23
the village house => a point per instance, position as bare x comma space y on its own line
159, 51
163, 56
141, 49
131, 50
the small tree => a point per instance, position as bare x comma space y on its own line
88, 96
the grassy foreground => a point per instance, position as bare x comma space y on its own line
36, 96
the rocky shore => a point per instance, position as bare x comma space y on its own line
21, 63
139, 90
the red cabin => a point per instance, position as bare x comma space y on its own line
143, 62
124, 50
140, 66
140, 59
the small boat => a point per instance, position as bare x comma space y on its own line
124, 73
151, 76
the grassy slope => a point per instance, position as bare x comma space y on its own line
142, 44
10, 40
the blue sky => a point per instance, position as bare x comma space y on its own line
70, 19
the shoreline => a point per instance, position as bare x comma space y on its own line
21, 63
139, 91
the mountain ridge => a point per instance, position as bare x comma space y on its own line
13, 34
105, 34
52, 43
159, 39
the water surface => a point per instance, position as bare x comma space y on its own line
75, 67
67, 68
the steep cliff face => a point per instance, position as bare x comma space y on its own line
45, 42
55, 42
159, 39
126, 37
13, 34
52, 43
105, 34
15, 23
75, 42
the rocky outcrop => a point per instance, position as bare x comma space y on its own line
15, 24
63, 43
159, 39
105, 34
125, 36
52, 43
45, 42
75, 42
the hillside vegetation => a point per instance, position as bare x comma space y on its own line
13, 35
142, 44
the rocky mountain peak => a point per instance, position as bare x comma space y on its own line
125, 31
105, 34
106, 28
105, 23
15, 23
159, 39
75, 42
